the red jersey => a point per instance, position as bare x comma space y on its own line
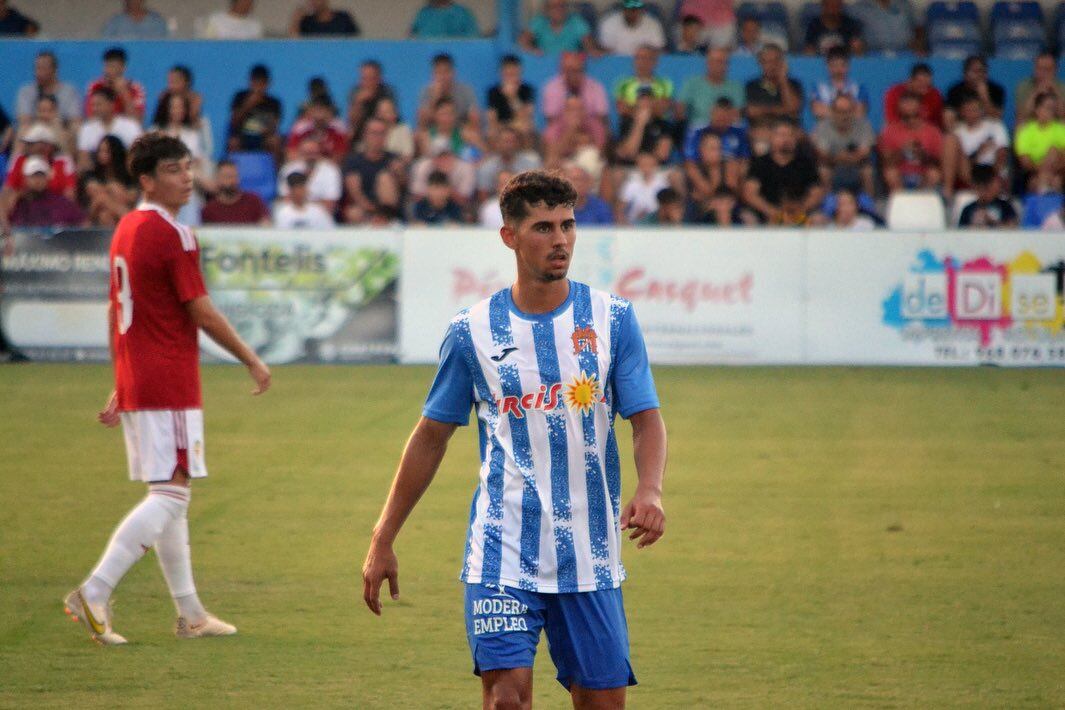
931, 104
136, 94
155, 271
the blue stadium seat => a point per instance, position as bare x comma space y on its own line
1025, 50
1059, 27
953, 28
1015, 26
946, 10
809, 12
956, 48
258, 173
1038, 207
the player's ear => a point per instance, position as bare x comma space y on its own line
147, 182
506, 233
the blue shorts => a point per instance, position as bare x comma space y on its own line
586, 633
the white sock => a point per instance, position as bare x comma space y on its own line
134, 536
175, 559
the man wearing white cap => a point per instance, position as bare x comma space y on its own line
39, 206
38, 142
461, 175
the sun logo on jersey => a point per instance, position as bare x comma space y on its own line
583, 392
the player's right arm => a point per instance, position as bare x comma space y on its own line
421, 458
209, 319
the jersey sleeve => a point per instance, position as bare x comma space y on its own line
184, 267
451, 395
633, 385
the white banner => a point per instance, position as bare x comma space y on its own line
958, 298
700, 296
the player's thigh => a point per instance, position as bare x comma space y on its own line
589, 642
503, 626
160, 441
589, 699
506, 689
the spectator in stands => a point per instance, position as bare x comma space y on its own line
782, 175
1040, 146
975, 140
179, 83
833, 28
717, 20
46, 113
700, 93
39, 142
461, 175
920, 85
104, 119
795, 210
839, 83
724, 210
38, 206
573, 132
443, 85
235, 23
46, 83
974, 81
643, 129
315, 18
490, 215
989, 210
844, 141
320, 124
135, 21
364, 96
668, 213
708, 163
660, 88
324, 182
317, 91
590, 209
847, 215
465, 140
400, 139
638, 196
690, 36
107, 190
625, 30
437, 208
888, 26
572, 82
14, 24
557, 30
751, 41
255, 115
911, 149
230, 204
297, 210
373, 177
771, 96
444, 19
1044, 80
508, 157
129, 94
511, 102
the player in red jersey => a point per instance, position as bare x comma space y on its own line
158, 303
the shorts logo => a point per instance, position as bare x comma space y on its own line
498, 614
585, 341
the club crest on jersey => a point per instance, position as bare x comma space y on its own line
585, 341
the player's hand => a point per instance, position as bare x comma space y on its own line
645, 517
108, 416
261, 374
381, 564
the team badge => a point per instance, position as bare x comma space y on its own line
584, 341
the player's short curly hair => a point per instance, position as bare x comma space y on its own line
151, 148
535, 187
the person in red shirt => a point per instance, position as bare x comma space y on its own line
920, 84
911, 149
319, 121
230, 204
129, 94
40, 142
157, 304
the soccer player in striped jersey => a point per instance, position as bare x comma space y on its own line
158, 303
546, 364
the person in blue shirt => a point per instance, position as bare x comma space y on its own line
547, 365
558, 30
590, 210
444, 19
136, 21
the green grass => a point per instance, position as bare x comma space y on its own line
836, 538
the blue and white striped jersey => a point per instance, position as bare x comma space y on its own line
546, 389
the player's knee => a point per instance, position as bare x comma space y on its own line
508, 697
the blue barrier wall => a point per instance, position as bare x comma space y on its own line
221, 67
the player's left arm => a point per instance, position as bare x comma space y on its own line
644, 514
108, 416
217, 326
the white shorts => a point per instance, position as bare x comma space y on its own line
160, 440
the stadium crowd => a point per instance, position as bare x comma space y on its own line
710, 151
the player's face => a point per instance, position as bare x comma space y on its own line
543, 242
171, 185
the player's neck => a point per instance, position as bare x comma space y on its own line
535, 297
172, 211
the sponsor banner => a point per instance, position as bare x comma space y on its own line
54, 300
701, 297
959, 298
305, 296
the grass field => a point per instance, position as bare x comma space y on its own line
836, 538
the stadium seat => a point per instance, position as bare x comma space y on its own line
918, 210
1016, 27
954, 29
809, 12
962, 199
258, 173
1026, 50
1059, 27
1038, 207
